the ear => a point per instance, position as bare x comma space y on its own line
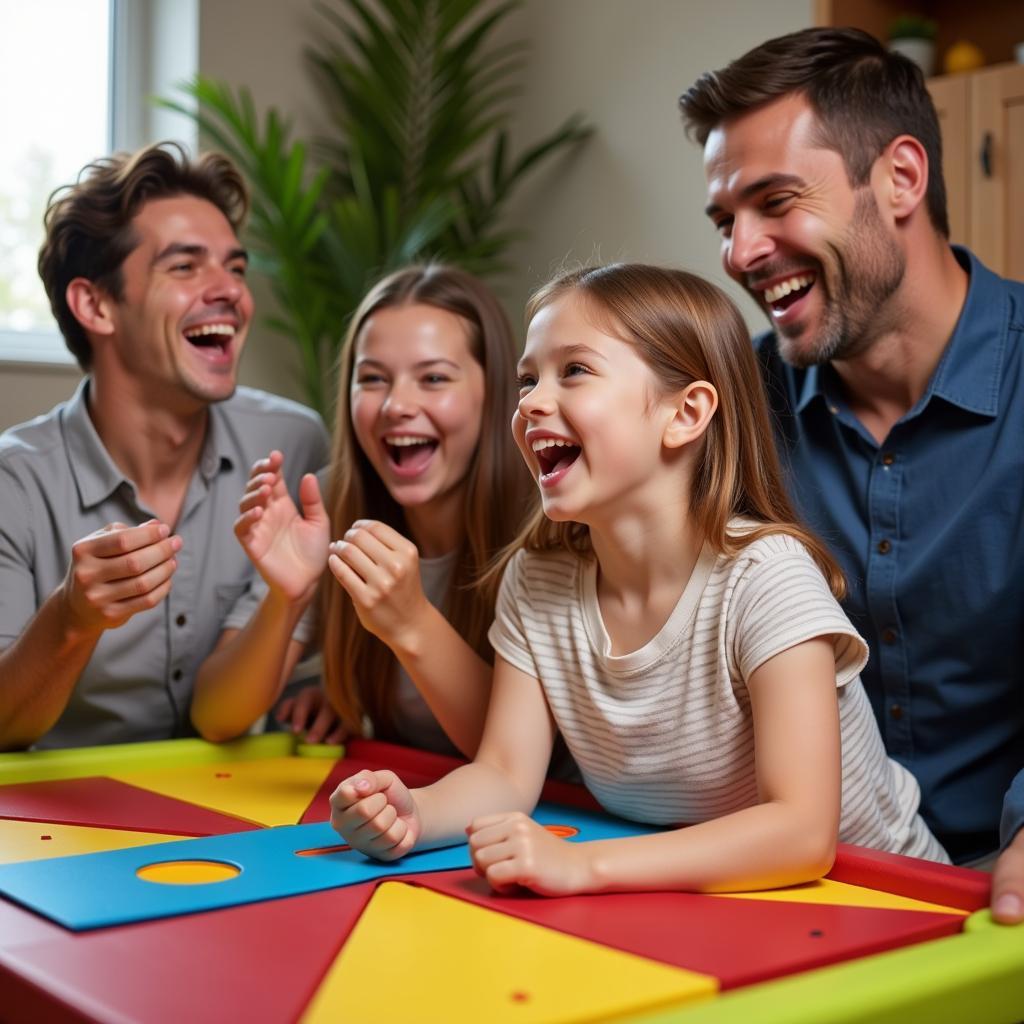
91, 306
692, 411
904, 169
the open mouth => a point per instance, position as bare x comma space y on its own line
410, 453
555, 457
785, 294
212, 339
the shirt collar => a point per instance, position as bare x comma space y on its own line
96, 474
969, 372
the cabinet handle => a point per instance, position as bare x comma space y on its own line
985, 155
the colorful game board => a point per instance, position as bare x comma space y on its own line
187, 881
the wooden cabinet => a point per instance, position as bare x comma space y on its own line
982, 119
981, 114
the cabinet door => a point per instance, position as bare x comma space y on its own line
997, 188
951, 98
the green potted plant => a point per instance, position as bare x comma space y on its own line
419, 163
913, 35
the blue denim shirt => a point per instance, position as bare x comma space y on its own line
929, 527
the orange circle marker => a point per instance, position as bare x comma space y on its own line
562, 831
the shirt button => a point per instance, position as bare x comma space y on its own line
888, 636
888, 459
896, 712
884, 547
177, 674
181, 620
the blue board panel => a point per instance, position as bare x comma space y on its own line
98, 890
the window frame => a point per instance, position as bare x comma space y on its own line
154, 45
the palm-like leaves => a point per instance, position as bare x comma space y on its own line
418, 164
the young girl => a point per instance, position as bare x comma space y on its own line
424, 487
669, 616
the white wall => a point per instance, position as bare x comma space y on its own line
635, 191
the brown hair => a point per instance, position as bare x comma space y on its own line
685, 329
359, 670
89, 230
862, 94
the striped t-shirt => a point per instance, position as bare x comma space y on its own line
664, 734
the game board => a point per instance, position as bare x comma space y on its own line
199, 882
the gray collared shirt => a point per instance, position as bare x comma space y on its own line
59, 484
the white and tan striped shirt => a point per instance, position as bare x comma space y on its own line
664, 734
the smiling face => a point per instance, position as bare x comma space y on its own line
813, 251
181, 323
591, 416
416, 400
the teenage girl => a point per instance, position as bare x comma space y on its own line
424, 487
666, 612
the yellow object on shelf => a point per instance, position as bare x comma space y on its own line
962, 56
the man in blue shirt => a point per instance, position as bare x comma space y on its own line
895, 371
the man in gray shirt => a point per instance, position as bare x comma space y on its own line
117, 560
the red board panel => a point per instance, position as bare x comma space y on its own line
107, 803
919, 879
418, 768
260, 962
739, 941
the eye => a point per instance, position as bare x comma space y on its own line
723, 225
367, 377
436, 378
525, 381
575, 370
777, 201
239, 270
182, 268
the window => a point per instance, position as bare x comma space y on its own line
76, 76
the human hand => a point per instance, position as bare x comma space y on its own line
511, 850
309, 714
380, 570
288, 548
1008, 883
117, 572
376, 814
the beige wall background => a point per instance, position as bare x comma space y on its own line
634, 191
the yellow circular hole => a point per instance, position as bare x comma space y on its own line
188, 872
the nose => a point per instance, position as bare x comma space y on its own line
537, 402
225, 285
400, 402
747, 244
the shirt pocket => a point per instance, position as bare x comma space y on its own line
227, 595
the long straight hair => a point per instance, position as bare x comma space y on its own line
686, 329
360, 670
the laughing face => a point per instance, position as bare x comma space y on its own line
181, 324
590, 420
813, 251
416, 400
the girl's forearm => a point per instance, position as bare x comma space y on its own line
450, 676
243, 677
448, 806
760, 847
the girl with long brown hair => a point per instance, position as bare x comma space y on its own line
424, 487
668, 614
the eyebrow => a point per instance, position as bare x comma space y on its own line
566, 351
185, 249
761, 185
421, 365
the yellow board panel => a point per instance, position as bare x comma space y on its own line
417, 955
276, 791
22, 840
842, 894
